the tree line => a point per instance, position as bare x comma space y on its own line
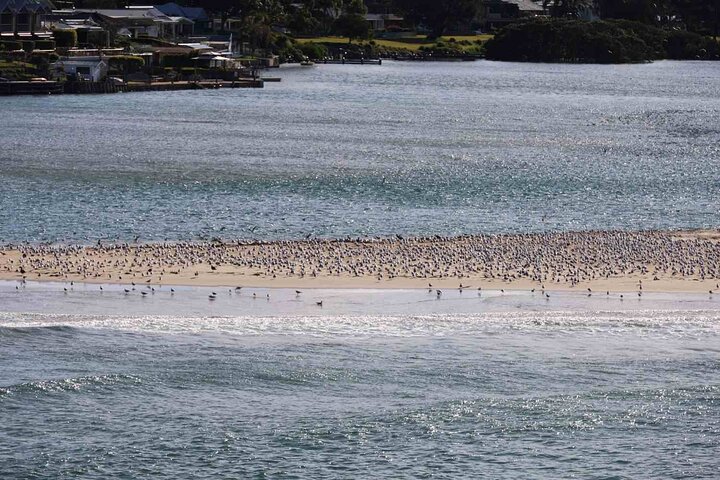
322, 17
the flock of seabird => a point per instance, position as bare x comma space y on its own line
549, 259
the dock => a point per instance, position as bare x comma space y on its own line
56, 88
188, 85
351, 61
30, 88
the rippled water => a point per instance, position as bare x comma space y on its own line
502, 395
99, 384
350, 150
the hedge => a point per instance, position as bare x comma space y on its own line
65, 38
44, 44
126, 63
39, 58
10, 45
312, 50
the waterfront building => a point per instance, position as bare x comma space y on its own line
91, 69
22, 17
199, 17
134, 22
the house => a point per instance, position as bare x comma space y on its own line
380, 21
91, 69
215, 60
136, 22
197, 15
89, 32
497, 13
18, 17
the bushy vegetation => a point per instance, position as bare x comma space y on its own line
613, 41
313, 51
452, 48
65, 38
10, 45
125, 63
44, 45
43, 58
16, 70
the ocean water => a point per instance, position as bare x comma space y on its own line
399, 384
334, 151
624, 394
106, 385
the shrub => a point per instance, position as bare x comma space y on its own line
11, 45
42, 58
613, 41
126, 63
65, 38
45, 44
682, 45
313, 51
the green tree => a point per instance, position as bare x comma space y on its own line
353, 26
301, 21
439, 15
355, 7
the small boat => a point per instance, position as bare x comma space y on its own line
307, 63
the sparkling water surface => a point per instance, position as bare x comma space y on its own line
506, 395
334, 151
394, 384
106, 385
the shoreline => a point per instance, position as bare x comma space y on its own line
649, 261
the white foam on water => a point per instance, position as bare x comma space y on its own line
650, 323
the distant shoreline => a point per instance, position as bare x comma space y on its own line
593, 262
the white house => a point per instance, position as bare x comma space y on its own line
93, 69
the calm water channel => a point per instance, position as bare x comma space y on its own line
447, 148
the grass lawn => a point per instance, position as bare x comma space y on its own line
408, 43
19, 70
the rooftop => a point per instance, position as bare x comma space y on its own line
26, 5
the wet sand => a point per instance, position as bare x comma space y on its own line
591, 262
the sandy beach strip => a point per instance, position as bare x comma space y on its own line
652, 261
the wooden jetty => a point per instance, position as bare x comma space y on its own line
351, 61
53, 87
30, 88
199, 85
